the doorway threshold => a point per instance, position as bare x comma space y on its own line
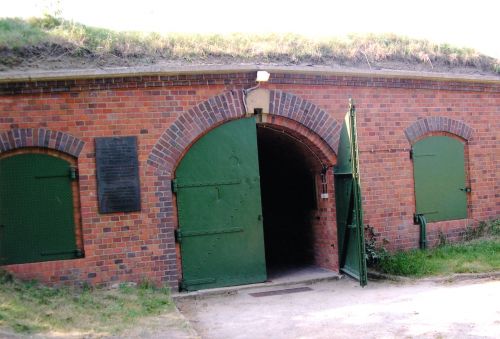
278, 278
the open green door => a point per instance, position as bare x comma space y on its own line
348, 202
219, 207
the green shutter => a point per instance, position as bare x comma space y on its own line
439, 172
219, 208
36, 209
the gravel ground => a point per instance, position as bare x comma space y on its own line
342, 309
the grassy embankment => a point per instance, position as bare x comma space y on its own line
28, 307
478, 253
39, 42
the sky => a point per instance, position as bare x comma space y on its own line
462, 23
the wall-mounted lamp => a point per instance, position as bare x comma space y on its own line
262, 76
324, 185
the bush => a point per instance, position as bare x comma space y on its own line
374, 252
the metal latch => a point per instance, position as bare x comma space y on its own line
178, 236
466, 189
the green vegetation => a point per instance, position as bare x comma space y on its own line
479, 252
28, 307
52, 38
474, 257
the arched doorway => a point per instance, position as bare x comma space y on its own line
288, 171
225, 183
288, 113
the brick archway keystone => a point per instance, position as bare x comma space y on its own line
424, 126
41, 137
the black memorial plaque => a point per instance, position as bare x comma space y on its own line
117, 174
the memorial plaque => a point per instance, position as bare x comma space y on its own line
117, 174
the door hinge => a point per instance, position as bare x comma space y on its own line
466, 189
411, 153
178, 236
73, 173
173, 184
77, 253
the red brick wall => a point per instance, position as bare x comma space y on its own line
168, 113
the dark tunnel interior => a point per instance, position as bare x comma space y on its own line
288, 200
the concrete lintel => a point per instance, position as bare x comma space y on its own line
165, 70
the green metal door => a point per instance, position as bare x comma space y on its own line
348, 201
439, 172
219, 207
36, 209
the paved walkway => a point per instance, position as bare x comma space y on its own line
342, 309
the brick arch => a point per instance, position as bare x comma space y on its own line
421, 127
302, 134
191, 125
307, 114
198, 120
45, 138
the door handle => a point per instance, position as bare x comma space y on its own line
466, 189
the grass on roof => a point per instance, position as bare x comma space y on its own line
52, 36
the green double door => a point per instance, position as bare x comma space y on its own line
220, 231
219, 209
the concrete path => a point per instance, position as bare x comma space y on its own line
342, 309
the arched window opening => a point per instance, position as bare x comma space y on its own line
39, 207
440, 178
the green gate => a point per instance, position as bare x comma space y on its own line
219, 209
439, 172
348, 202
36, 209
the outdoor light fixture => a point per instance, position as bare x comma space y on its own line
262, 76
324, 185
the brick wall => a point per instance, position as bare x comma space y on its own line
169, 113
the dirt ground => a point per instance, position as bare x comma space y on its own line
342, 309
